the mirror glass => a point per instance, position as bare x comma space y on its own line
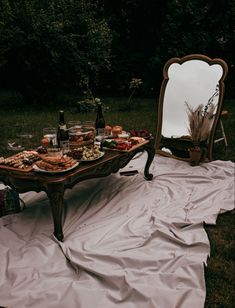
193, 80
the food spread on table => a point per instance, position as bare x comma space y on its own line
44, 159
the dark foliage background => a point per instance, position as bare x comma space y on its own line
48, 46
147, 33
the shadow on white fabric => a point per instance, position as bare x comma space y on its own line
129, 243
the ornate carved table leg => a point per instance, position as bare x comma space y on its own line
55, 194
151, 152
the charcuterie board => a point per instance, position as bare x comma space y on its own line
133, 147
28, 169
22, 161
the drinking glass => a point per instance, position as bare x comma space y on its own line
26, 138
14, 144
74, 130
88, 125
101, 134
50, 134
74, 125
19, 137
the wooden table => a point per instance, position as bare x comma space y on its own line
55, 184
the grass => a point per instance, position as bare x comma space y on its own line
220, 271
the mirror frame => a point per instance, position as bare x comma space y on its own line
180, 61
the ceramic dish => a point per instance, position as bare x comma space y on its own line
37, 169
89, 160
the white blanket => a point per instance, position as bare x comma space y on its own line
129, 243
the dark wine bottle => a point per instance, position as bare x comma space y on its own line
62, 133
100, 122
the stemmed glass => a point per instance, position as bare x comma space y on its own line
21, 136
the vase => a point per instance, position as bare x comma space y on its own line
203, 154
195, 156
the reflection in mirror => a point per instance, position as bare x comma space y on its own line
189, 83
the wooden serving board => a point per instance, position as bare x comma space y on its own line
28, 169
131, 149
19, 157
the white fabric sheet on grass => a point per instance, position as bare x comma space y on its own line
129, 243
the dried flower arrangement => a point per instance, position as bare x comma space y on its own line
201, 119
200, 123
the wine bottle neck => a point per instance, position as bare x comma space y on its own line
62, 126
62, 123
100, 122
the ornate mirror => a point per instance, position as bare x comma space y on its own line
193, 87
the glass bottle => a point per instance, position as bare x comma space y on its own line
62, 133
100, 122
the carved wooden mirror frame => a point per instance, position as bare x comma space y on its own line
210, 142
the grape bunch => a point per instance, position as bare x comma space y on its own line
144, 133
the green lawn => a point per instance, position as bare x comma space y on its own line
220, 271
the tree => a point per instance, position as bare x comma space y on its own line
50, 44
147, 33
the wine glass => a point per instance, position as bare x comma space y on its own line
14, 142
74, 131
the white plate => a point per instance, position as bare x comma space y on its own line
37, 169
89, 160
124, 135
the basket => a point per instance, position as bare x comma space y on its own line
10, 202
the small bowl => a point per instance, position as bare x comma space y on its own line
124, 135
54, 152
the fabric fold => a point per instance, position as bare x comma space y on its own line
128, 242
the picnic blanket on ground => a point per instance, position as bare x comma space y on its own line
129, 243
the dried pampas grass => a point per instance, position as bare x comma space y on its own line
200, 121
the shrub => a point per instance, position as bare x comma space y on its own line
51, 44
10, 98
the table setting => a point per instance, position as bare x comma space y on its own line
85, 144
